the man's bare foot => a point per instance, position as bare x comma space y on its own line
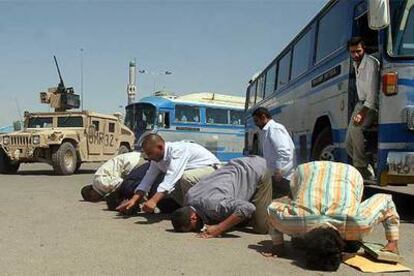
391, 246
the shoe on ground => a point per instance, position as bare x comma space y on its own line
366, 173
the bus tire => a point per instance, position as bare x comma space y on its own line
123, 149
323, 148
64, 159
6, 165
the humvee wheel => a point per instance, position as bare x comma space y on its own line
78, 165
123, 149
6, 165
64, 159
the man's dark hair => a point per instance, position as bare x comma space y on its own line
180, 219
262, 111
323, 249
354, 41
89, 194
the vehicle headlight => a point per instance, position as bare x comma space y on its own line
6, 140
36, 139
410, 118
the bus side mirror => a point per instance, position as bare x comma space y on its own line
378, 14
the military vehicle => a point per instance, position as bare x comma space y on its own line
64, 139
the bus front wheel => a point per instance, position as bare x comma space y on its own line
323, 148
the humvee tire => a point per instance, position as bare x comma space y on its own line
6, 166
78, 165
123, 149
64, 159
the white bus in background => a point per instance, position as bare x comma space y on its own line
215, 121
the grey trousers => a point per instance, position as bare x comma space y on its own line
354, 140
261, 199
188, 180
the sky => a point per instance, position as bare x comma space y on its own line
207, 45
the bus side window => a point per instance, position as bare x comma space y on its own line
190, 114
216, 116
236, 117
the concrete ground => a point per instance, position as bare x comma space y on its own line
45, 229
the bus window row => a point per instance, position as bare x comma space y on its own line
191, 114
317, 41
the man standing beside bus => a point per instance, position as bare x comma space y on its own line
278, 150
365, 111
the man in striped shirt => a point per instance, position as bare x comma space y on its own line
326, 196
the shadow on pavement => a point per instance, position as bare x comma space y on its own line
152, 218
297, 256
50, 173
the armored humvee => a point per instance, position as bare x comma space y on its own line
64, 139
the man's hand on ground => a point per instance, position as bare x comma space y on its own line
126, 205
212, 231
277, 250
149, 206
391, 246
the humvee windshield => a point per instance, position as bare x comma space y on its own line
40, 122
70, 121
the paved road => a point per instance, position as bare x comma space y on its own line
45, 229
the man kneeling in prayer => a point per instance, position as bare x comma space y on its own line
326, 211
110, 175
236, 192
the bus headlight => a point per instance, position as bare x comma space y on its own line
6, 140
36, 139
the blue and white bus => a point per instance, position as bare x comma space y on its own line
212, 120
310, 86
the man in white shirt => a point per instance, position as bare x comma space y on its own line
365, 111
110, 175
183, 164
278, 150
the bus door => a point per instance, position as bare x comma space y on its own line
96, 135
163, 120
360, 28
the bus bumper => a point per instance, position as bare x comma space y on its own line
400, 169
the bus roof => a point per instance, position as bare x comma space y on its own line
204, 98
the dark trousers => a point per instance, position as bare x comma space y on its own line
281, 188
127, 189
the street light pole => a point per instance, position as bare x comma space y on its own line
81, 77
154, 76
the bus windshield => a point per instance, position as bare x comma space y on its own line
140, 116
401, 40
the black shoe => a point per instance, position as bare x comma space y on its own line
352, 246
366, 173
113, 200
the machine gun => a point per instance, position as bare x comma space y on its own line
60, 98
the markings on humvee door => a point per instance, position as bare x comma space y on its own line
99, 138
